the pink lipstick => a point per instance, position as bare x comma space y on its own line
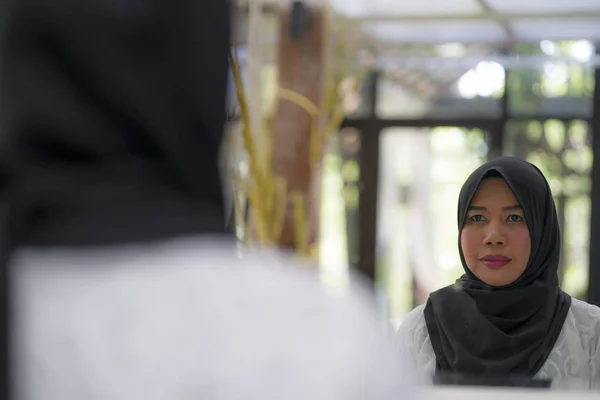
495, 261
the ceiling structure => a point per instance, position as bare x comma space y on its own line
435, 21
427, 45
438, 21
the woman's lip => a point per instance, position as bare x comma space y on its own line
495, 257
495, 264
495, 261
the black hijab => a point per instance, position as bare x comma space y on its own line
479, 329
112, 114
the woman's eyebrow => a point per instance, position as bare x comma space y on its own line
478, 208
507, 208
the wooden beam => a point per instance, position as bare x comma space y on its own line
301, 70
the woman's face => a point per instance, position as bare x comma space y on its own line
495, 239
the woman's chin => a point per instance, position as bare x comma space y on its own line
496, 277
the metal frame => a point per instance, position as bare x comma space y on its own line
371, 126
370, 129
369, 179
486, 14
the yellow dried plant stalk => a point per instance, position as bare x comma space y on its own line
280, 207
267, 193
239, 211
337, 110
300, 222
299, 100
256, 190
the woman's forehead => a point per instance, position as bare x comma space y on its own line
494, 190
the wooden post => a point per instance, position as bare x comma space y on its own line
301, 70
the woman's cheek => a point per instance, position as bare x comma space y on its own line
520, 237
469, 242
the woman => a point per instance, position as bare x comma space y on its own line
506, 315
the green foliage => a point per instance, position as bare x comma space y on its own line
528, 88
562, 152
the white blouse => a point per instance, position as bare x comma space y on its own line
573, 363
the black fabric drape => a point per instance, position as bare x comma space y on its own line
112, 114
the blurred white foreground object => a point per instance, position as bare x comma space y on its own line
453, 393
188, 320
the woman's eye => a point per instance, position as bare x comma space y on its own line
477, 218
515, 218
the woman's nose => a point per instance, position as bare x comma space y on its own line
494, 235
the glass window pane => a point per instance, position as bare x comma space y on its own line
409, 32
421, 173
338, 238
434, 82
561, 86
562, 151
